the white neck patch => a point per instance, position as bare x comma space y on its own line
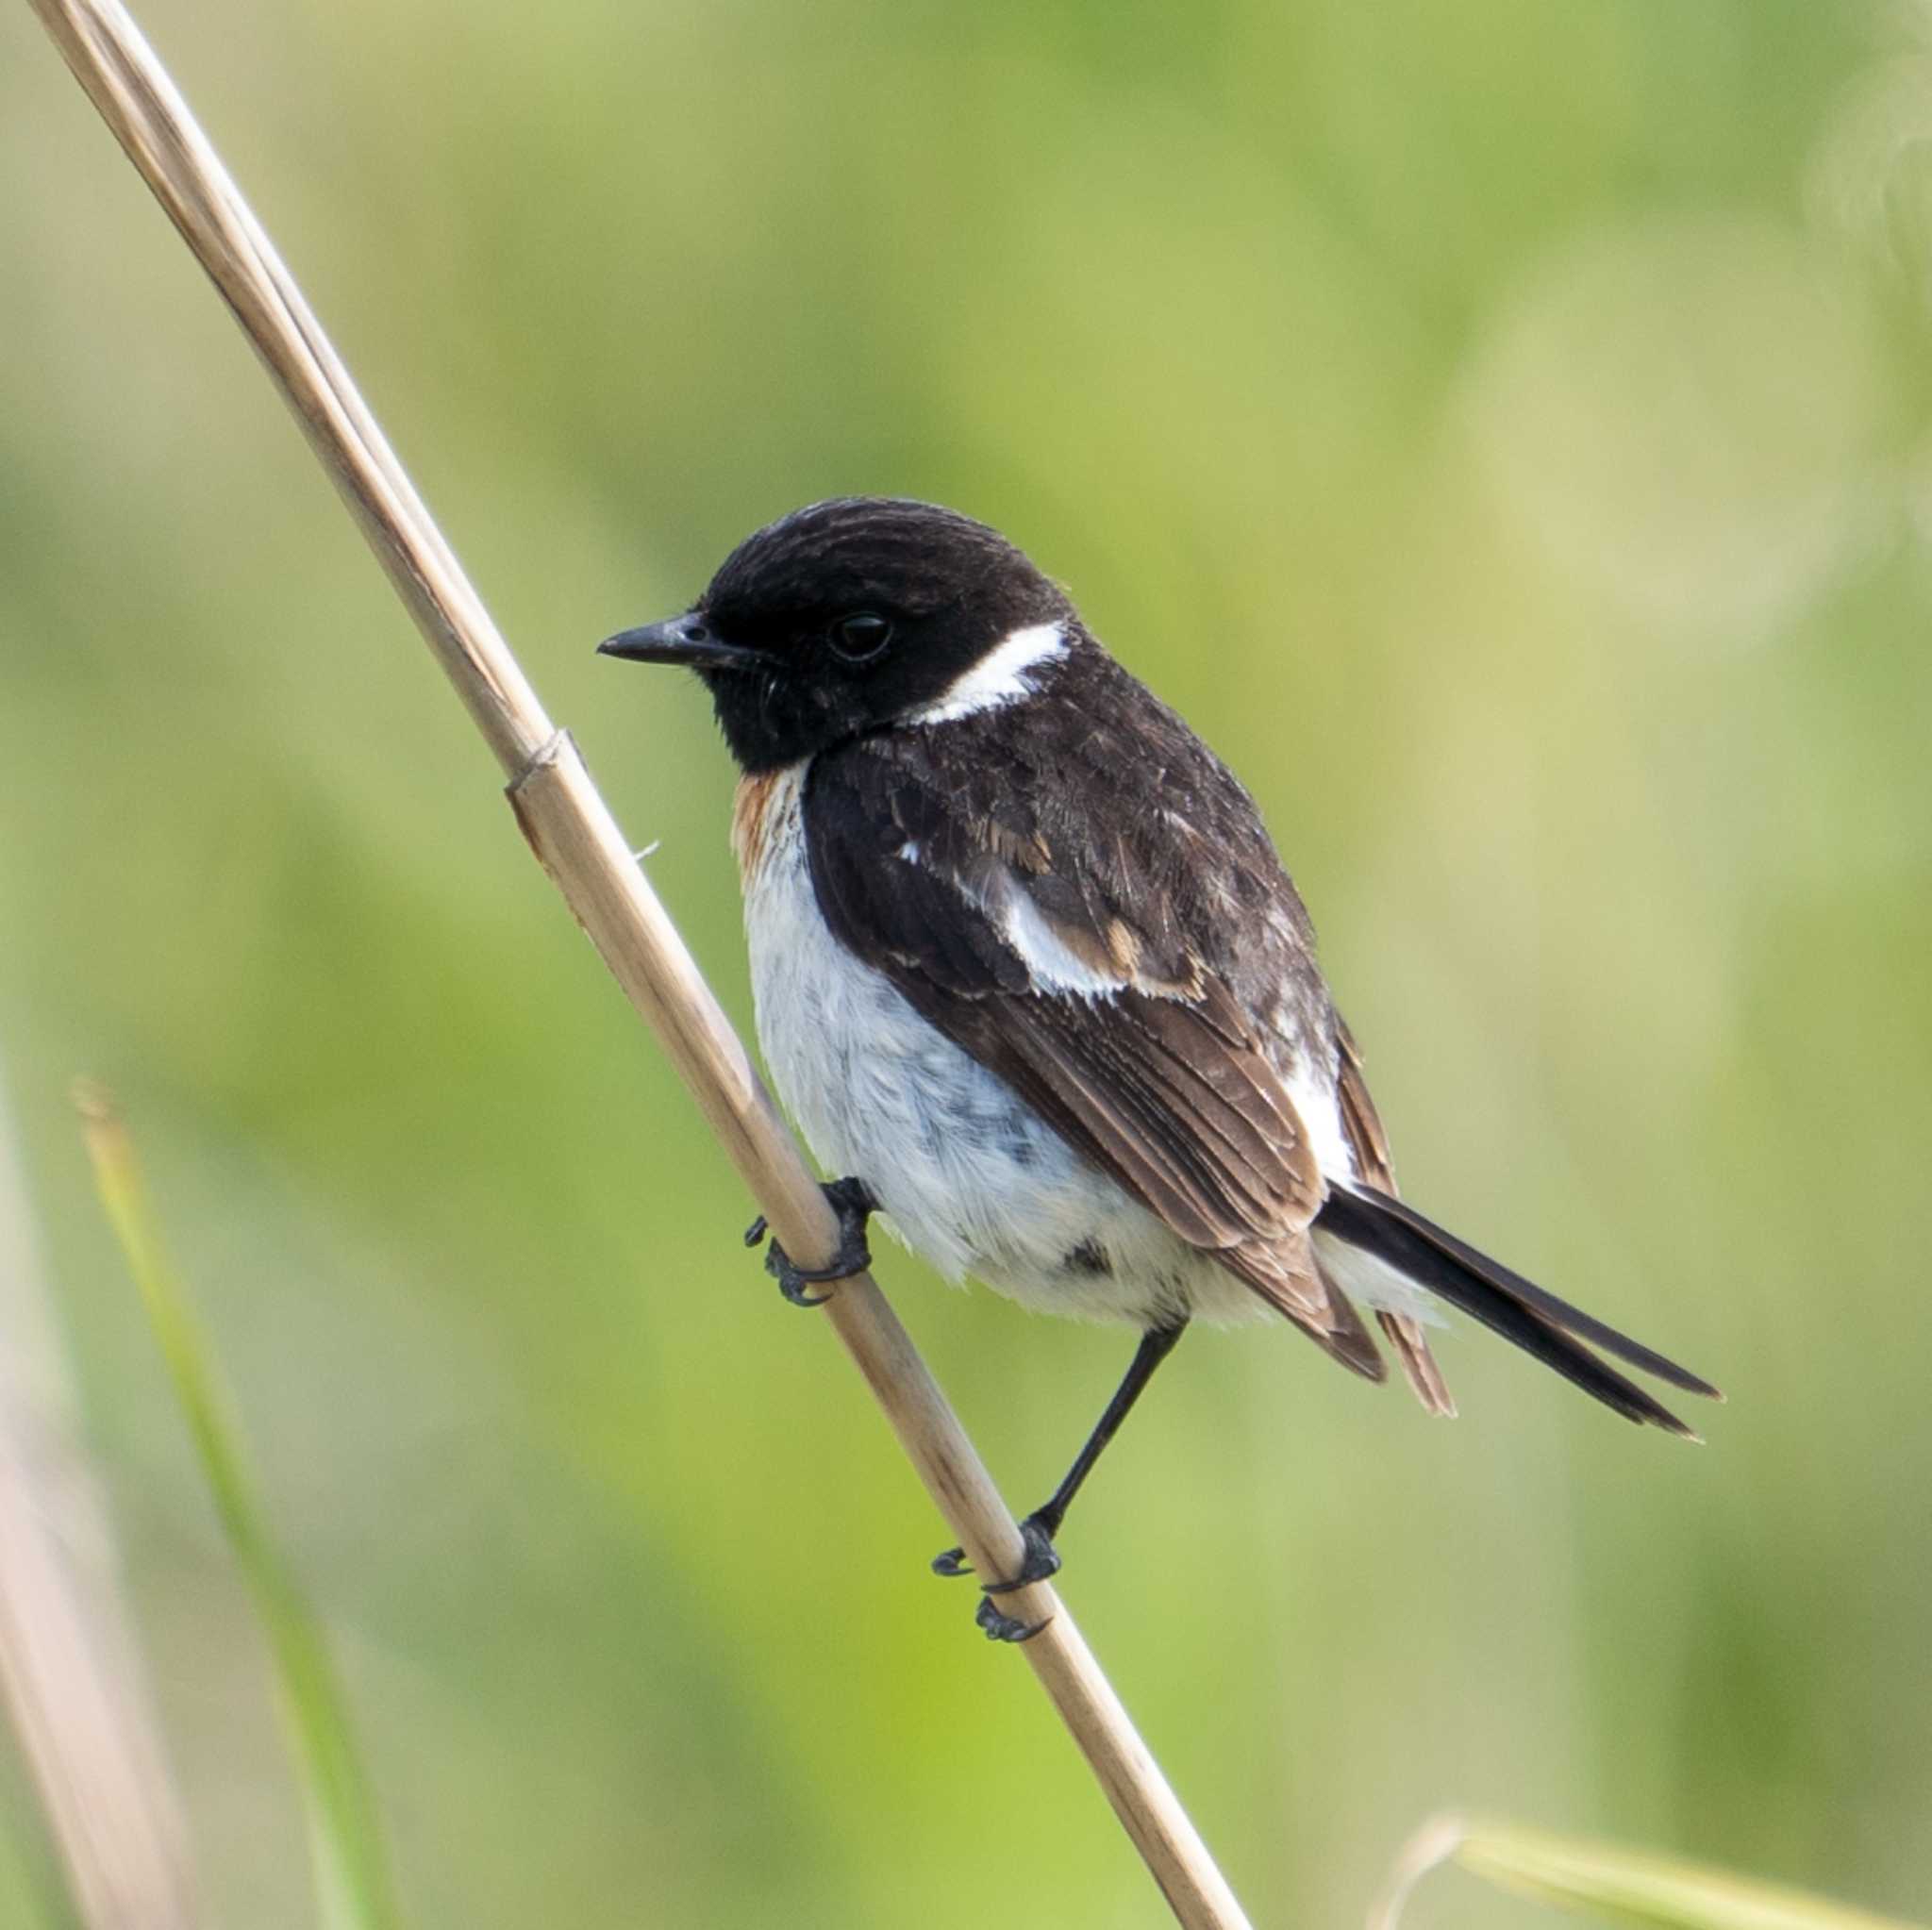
1001, 676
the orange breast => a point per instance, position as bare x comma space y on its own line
757, 815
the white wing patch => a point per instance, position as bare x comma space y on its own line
998, 678
1055, 966
1052, 963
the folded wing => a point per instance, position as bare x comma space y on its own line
1035, 954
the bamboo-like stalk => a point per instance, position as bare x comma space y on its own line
575, 835
70, 1675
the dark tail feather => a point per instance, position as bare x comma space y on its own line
1538, 1323
1573, 1319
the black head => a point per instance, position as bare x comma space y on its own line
846, 617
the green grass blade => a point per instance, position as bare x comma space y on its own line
351, 1872
1622, 1886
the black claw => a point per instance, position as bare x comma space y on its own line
1043, 1559
1002, 1627
791, 1281
854, 1203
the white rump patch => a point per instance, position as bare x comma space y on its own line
999, 678
1321, 1115
1363, 1277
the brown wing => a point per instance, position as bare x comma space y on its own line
1370, 1145
1115, 1028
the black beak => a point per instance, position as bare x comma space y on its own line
682, 640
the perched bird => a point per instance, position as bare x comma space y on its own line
1029, 974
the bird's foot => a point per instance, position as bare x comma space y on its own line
1001, 1627
1041, 1560
853, 1202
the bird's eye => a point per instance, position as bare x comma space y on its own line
860, 636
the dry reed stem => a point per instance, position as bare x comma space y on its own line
69, 1671
572, 833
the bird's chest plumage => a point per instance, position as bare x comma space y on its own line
970, 1177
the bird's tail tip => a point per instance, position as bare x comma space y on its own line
1421, 1254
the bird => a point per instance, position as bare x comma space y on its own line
1030, 976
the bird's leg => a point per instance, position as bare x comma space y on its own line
855, 1204
1039, 1529
1156, 1343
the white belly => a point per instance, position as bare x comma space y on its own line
968, 1177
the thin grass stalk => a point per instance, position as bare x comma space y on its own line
1609, 1881
574, 835
70, 1675
351, 1871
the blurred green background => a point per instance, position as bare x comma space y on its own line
1501, 428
